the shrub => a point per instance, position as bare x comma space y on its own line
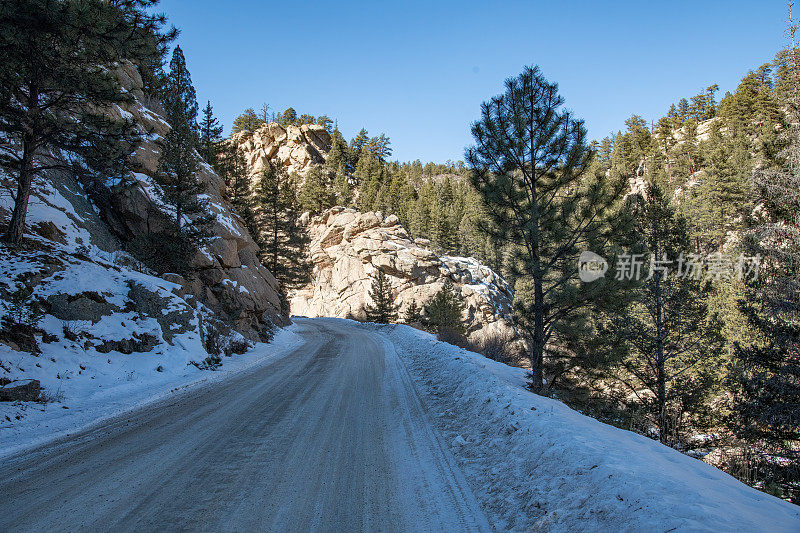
497, 346
453, 336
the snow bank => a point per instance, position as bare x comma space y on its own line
88, 388
535, 464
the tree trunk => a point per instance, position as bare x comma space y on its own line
537, 355
16, 228
661, 385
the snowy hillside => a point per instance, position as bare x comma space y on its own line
535, 464
111, 334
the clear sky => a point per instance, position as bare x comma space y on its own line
418, 71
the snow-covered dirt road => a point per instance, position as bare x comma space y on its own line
331, 437
340, 426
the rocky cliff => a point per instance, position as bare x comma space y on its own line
347, 247
295, 147
85, 227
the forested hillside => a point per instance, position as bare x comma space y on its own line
711, 182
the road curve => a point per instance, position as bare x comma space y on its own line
331, 437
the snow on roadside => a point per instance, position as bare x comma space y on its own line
111, 385
535, 464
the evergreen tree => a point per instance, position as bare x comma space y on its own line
210, 135
326, 122
383, 309
178, 164
357, 144
767, 376
664, 333
413, 314
529, 164
342, 190
336, 165
316, 194
288, 117
380, 147
247, 121
684, 110
232, 167
283, 242
56, 80
445, 312
369, 177
727, 163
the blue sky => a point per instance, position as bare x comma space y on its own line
418, 71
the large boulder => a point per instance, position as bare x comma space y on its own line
347, 248
26, 390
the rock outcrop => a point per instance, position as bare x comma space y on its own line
347, 248
98, 219
226, 275
297, 148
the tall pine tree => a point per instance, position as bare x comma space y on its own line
178, 164
210, 135
281, 239
767, 374
383, 309
57, 81
664, 334
529, 163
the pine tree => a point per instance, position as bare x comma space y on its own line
282, 241
383, 309
178, 164
357, 144
369, 176
530, 165
56, 81
727, 163
413, 314
210, 135
316, 194
684, 110
767, 374
445, 312
380, 147
665, 334
342, 189
336, 166
326, 122
247, 121
232, 167
288, 117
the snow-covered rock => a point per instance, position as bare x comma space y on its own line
347, 247
106, 316
225, 275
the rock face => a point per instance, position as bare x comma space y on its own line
227, 275
347, 248
295, 147
98, 219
